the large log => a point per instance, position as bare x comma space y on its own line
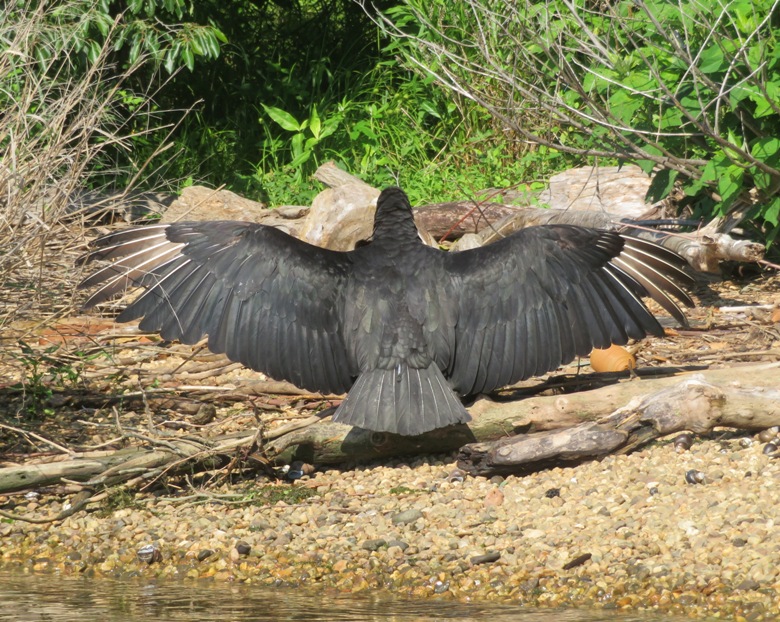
616, 417
334, 443
698, 403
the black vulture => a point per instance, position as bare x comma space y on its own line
404, 327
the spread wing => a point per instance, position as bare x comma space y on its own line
544, 295
264, 298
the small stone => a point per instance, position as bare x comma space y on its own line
457, 475
406, 517
494, 498
487, 558
340, 566
399, 543
243, 548
694, 477
440, 587
577, 561
149, 554
373, 545
204, 554
299, 518
769, 434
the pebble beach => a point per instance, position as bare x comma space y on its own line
692, 532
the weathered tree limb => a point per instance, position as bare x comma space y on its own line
574, 426
702, 250
697, 403
333, 177
329, 443
105, 467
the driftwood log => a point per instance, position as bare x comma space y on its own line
592, 199
696, 403
503, 436
703, 250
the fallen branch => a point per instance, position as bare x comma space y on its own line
702, 250
697, 403
616, 417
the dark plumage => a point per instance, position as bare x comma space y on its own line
402, 326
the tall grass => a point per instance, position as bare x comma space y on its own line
64, 118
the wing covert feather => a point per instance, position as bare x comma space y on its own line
264, 298
544, 295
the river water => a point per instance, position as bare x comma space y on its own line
25, 598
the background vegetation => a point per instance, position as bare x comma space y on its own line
444, 98
687, 89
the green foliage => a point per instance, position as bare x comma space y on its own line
688, 90
710, 95
272, 494
43, 374
391, 126
155, 31
276, 104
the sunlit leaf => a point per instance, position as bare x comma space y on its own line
730, 185
314, 123
283, 118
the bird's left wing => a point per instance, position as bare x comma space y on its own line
264, 298
544, 295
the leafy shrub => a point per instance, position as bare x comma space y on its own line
688, 90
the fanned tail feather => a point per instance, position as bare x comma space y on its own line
402, 400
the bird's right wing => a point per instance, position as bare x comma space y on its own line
264, 298
544, 295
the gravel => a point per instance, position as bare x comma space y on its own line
626, 532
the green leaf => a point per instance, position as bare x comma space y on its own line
646, 165
135, 52
771, 212
766, 150
314, 123
712, 59
188, 57
297, 145
284, 119
730, 185
763, 105
662, 185
430, 109
219, 34
93, 51
300, 159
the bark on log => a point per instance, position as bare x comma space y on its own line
697, 403
616, 417
331, 443
108, 468
333, 177
704, 250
